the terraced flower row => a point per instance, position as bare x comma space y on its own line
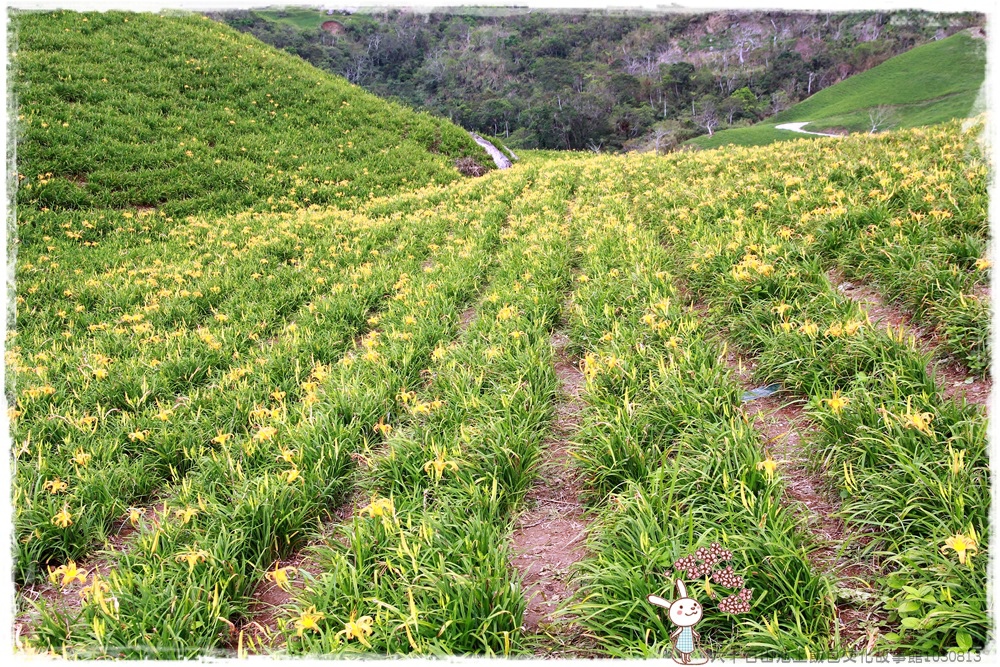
252, 491
673, 465
423, 566
907, 211
911, 466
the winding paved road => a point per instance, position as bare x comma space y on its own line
797, 127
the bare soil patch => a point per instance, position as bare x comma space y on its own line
268, 600
550, 536
783, 426
465, 319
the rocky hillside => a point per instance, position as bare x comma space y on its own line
598, 79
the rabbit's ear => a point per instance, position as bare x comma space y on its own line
658, 601
681, 589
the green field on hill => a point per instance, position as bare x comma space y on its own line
184, 114
930, 84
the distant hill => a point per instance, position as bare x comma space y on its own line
601, 79
929, 84
187, 115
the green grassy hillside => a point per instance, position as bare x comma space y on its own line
180, 113
303, 18
930, 84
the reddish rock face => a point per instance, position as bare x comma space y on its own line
333, 27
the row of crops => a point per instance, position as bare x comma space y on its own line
217, 388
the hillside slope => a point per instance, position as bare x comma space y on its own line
930, 84
178, 112
578, 79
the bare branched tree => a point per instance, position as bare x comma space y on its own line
881, 117
707, 116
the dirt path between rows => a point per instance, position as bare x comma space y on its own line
258, 634
784, 427
66, 599
954, 379
550, 536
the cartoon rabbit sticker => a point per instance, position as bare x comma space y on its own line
684, 612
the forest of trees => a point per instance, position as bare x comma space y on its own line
599, 80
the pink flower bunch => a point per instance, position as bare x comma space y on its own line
703, 561
707, 562
738, 603
727, 577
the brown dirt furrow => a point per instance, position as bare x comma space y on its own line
784, 426
259, 630
955, 380
549, 537
465, 319
66, 599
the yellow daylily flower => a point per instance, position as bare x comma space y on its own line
134, 514
69, 573
97, 589
81, 458
55, 486
439, 464
380, 507
308, 620
63, 518
192, 558
836, 403
781, 309
809, 328
280, 576
963, 545
186, 514
920, 421
852, 327
358, 629
266, 433
769, 466
222, 438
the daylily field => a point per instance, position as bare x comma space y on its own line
201, 399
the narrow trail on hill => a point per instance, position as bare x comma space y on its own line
501, 160
955, 379
797, 127
550, 536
